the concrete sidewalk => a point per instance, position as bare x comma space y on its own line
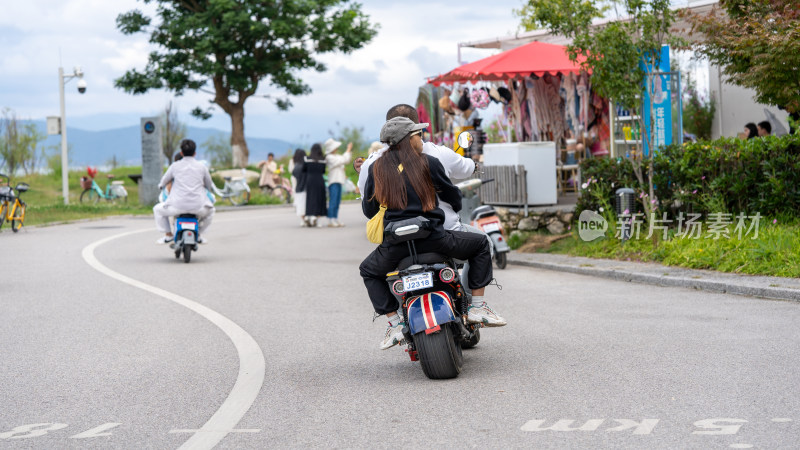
657, 274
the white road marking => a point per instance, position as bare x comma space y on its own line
718, 426
32, 430
96, 431
741, 445
251, 358
781, 419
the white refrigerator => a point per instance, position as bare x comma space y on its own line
539, 159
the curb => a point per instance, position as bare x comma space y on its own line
725, 287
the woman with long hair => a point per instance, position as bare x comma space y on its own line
407, 182
314, 168
299, 184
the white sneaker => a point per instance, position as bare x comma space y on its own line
484, 315
164, 240
337, 223
394, 336
202, 240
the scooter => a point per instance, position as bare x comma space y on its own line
434, 303
485, 218
186, 236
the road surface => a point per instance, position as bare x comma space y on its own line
266, 340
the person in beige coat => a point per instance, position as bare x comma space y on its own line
336, 177
269, 173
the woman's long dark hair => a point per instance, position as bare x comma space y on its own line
753, 130
299, 156
316, 153
390, 185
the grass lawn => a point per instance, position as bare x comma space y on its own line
45, 203
775, 252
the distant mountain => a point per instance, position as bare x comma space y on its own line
97, 148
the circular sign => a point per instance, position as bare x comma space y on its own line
149, 127
464, 139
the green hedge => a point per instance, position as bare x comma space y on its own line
727, 175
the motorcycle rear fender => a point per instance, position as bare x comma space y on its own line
430, 311
188, 237
500, 244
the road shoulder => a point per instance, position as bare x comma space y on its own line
660, 275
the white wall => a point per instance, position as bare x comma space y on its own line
736, 107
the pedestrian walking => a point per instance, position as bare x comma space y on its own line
336, 178
299, 185
314, 168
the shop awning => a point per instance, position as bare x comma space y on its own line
535, 58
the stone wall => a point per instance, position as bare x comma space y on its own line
554, 222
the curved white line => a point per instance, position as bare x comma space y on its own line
251, 358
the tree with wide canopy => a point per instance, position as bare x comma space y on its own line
227, 47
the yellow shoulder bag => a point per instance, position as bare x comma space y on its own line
375, 227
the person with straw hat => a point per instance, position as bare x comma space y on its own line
336, 177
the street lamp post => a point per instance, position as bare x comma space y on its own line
62, 80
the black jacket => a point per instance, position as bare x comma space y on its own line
444, 189
300, 175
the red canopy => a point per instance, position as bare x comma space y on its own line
534, 58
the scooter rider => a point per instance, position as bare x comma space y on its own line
456, 167
190, 180
406, 181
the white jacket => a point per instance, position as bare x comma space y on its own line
335, 164
457, 167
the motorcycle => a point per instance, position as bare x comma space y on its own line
186, 236
485, 218
434, 303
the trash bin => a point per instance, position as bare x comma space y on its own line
625, 200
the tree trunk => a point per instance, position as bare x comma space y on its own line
238, 143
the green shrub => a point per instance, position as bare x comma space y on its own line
727, 175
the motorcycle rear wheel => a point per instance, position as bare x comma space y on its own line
439, 354
500, 259
187, 253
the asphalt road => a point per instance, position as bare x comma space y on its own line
266, 340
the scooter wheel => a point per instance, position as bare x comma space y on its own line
500, 259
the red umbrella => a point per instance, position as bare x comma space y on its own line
535, 58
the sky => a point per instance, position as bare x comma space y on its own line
416, 39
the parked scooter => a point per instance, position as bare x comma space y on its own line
485, 218
186, 236
434, 303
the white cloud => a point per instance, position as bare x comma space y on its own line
416, 39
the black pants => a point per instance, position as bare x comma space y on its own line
458, 244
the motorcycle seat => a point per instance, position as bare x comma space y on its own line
187, 216
481, 211
422, 258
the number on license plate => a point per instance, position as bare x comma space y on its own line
418, 281
187, 225
489, 227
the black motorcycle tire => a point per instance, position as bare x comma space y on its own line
473, 341
187, 253
500, 259
439, 354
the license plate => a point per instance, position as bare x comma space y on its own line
418, 281
187, 226
489, 227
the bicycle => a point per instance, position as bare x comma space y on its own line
12, 208
282, 191
92, 192
235, 190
